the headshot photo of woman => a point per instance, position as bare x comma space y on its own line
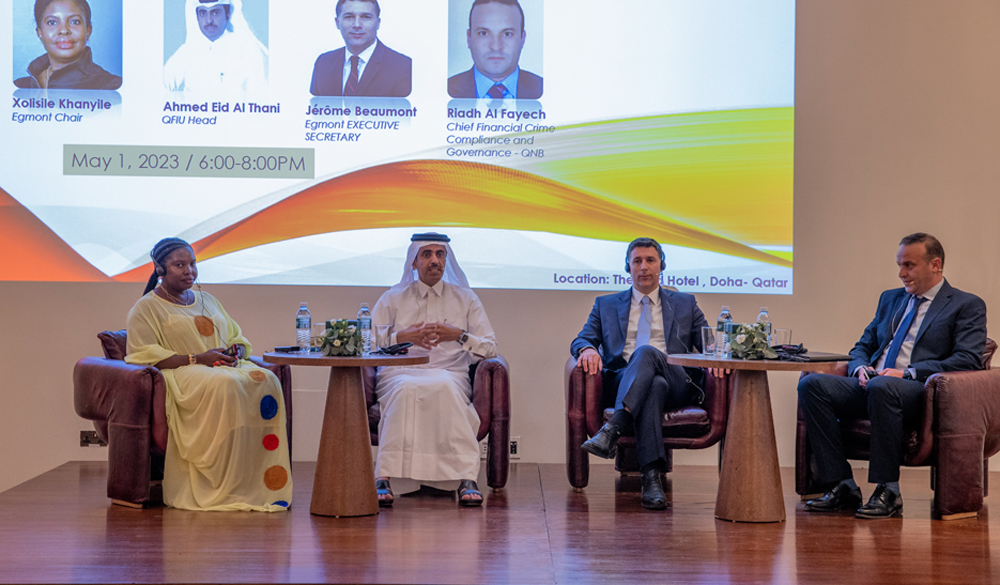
227, 446
65, 27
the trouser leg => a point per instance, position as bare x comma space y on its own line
893, 404
637, 377
648, 386
826, 399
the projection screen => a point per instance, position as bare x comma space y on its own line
664, 118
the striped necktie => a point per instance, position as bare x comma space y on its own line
496, 92
352, 80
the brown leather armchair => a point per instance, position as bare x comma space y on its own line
691, 427
128, 406
491, 397
957, 433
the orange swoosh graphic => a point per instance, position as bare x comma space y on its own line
33, 252
455, 193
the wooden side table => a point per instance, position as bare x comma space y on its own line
345, 476
750, 479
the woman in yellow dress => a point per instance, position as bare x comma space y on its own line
227, 448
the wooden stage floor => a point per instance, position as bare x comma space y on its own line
60, 528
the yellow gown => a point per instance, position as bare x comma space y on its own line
227, 448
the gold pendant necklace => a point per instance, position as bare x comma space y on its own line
174, 299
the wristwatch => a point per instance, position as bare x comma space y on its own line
463, 337
907, 375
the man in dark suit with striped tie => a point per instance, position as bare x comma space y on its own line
627, 337
365, 66
918, 330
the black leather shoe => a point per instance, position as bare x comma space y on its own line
839, 498
653, 497
605, 443
882, 504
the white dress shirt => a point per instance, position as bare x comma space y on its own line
657, 337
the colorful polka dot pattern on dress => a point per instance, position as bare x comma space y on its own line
275, 477
281, 503
271, 442
258, 376
268, 407
204, 325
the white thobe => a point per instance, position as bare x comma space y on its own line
230, 64
428, 427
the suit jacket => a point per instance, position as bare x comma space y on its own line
607, 326
387, 74
463, 85
951, 337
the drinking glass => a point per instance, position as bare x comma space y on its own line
382, 336
708, 340
317, 334
781, 337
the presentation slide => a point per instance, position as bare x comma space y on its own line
291, 144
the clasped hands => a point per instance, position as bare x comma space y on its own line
590, 360
428, 335
863, 375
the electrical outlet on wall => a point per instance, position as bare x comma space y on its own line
483, 449
90, 439
515, 447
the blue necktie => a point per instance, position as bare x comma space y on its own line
645, 324
901, 331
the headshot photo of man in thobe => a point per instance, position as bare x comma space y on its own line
220, 54
427, 433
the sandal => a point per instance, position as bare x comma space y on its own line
468, 487
382, 489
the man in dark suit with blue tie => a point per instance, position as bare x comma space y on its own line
365, 66
495, 38
918, 330
628, 335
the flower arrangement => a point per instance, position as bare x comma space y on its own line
342, 337
749, 342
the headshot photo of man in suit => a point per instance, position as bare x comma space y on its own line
364, 66
626, 338
495, 38
923, 328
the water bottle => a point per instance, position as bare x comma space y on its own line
303, 327
722, 341
365, 324
763, 319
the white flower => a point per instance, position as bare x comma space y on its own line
336, 343
351, 329
741, 338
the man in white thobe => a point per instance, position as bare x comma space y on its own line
220, 54
427, 434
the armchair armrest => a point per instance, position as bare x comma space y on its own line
717, 406
120, 394
491, 399
127, 402
966, 407
491, 395
583, 396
